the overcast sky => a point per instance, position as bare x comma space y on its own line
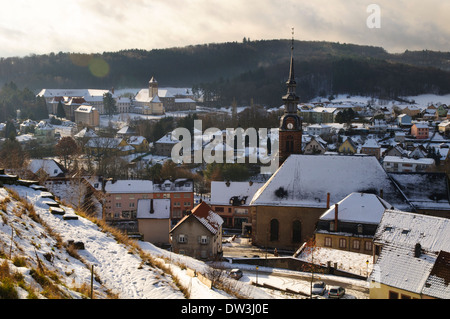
44, 26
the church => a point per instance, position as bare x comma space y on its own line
286, 209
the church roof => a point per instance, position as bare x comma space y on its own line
305, 181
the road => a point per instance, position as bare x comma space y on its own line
296, 281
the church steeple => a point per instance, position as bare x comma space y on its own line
290, 132
291, 99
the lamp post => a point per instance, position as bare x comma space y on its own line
257, 275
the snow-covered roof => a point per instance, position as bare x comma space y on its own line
359, 208
86, 132
167, 139
222, 192
48, 165
136, 140
304, 181
397, 159
371, 143
129, 186
85, 108
161, 209
398, 265
206, 216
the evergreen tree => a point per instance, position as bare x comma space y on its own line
60, 112
109, 103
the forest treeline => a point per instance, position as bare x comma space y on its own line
241, 71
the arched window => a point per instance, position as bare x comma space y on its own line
296, 231
274, 228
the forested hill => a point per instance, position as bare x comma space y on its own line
241, 71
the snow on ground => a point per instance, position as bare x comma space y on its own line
121, 270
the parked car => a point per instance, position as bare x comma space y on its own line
318, 288
236, 274
336, 292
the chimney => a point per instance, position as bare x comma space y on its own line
152, 210
328, 200
417, 250
336, 216
381, 193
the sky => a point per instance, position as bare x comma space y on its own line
95, 26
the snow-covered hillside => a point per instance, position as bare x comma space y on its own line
35, 244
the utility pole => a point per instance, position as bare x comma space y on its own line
92, 282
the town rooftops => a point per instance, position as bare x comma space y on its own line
414, 248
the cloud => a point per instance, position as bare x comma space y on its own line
29, 26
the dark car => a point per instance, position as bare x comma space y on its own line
336, 292
236, 274
318, 288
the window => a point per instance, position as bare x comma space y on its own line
360, 228
356, 244
182, 239
328, 242
368, 245
274, 225
131, 196
118, 197
203, 240
342, 243
126, 214
296, 231
219, 209
393, 295
131, 205
118, 205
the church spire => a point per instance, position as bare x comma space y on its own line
291, 99
290, 132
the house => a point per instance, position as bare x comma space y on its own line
181, 194
351, 223
411, 257
198, 234
404, 164
139, 143
153, 218
371, 147
348, 147
286, 209
404, 120
164, 146
427, 192
318, 114
44, 131
121, 199
420, 131
318, 129
315, 145
444, 127
45, 168
231, 201
107, 145
87, 115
